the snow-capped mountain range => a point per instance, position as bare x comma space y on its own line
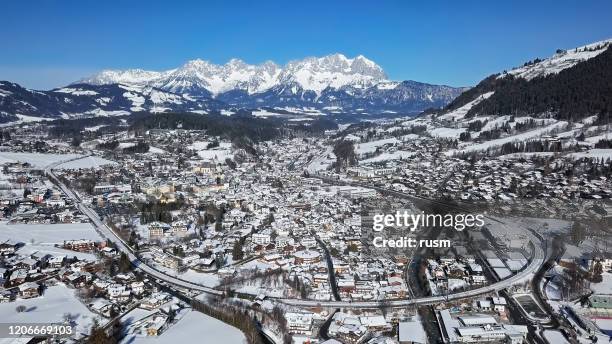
332, 83
310, 74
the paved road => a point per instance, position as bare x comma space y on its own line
122, 246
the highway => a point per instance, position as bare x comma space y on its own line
122, 246
106, 232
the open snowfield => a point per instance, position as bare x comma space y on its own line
198, 145
47, 234
194, 327
219, 153
460, 112
322, 161
453, 133
527, 155
155, 150
370, 147
86, 162
41, 238
25, 119
591, 154
38, 160
265, 113
50, 308
215, 154
388, 156
559, 61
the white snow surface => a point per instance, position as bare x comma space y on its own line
560, 61
191, 326
47, 233
460, 112
312, 73
86, 162
370, 147
38, 160
50, 308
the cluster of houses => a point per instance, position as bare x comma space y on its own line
27, 197
450, 274
421, 166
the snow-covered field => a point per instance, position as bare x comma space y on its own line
370, 147
219, 153
322, 161
388, 156
528, 155
447, 132
38, 160
194, 327
559, 61
460, 112
86, 162
50, 308
215, 154
47, 234
265, 113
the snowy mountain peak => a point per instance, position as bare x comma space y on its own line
312, 74
335, 71
130, 76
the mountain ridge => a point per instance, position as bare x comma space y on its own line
311, 73
571, 84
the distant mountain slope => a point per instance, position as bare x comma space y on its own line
94, 100
571, 85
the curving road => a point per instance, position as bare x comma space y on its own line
122, 246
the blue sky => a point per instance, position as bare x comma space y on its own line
50, 43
